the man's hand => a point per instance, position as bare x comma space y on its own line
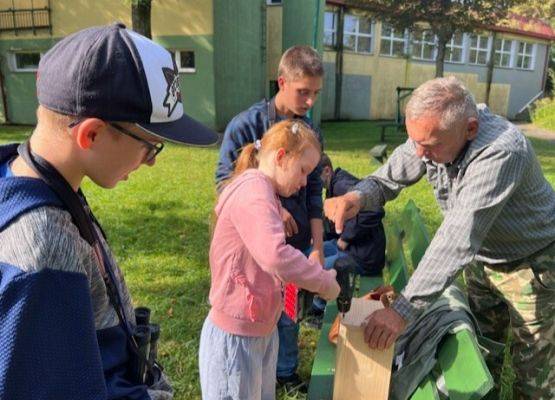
339, 209
382, 328
289, 224
342, 245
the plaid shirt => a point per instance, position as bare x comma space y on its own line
496, 203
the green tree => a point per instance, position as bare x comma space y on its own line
444, 17
542, 9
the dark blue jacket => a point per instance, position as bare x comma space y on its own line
364, 233
49, 347
249, 126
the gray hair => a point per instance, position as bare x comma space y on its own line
446, 97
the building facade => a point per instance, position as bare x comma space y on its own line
227, 53
222, 47
362, 75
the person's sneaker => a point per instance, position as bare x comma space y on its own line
292, 384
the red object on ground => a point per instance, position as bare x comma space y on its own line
291, 300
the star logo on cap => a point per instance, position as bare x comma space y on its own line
173, 93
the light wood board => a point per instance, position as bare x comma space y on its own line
360, 372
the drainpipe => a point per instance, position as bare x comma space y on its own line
315, 38
546, 66
339, 63
489, 77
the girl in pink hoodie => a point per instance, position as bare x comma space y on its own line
250, 262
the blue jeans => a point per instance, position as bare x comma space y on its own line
288, 353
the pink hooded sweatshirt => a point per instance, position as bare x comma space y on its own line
249, 259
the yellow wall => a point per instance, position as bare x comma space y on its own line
182, 17
169, 17
274, 40
390, 72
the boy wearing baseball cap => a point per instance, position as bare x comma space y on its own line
108, 99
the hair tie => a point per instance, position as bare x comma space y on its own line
257, 144
295, 128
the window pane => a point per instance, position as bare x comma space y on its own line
456, 55
416, 50
482, 57
386, 30
364, 25
329, 39
527, 62
458, 39
27, 60
329, 20
473, 41
428, 52
364, 44
398, 48
349, 42
187, 59
350, 24
385, 47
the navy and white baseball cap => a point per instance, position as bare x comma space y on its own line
115, 74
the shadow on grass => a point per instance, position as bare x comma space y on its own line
157, 229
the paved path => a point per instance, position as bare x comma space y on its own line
533, 131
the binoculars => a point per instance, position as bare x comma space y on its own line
143, 366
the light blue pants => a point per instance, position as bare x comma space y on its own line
234, 367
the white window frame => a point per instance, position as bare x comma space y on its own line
479, 48
333, 30
13, 61
503, 52
357, 34
451, 45
274, 2
392, 38
532, 56
177, 56
423, 43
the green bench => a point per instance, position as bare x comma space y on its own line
379, 152
389, 124
459, 359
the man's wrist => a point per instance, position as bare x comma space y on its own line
405, 309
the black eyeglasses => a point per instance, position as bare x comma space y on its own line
153, 149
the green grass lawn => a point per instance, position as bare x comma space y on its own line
158, 226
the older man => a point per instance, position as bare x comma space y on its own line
499, 226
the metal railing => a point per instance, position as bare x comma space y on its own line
20, 19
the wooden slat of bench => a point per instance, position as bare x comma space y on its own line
396, 262
323, 368
426, 390
465, 372
416, 233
